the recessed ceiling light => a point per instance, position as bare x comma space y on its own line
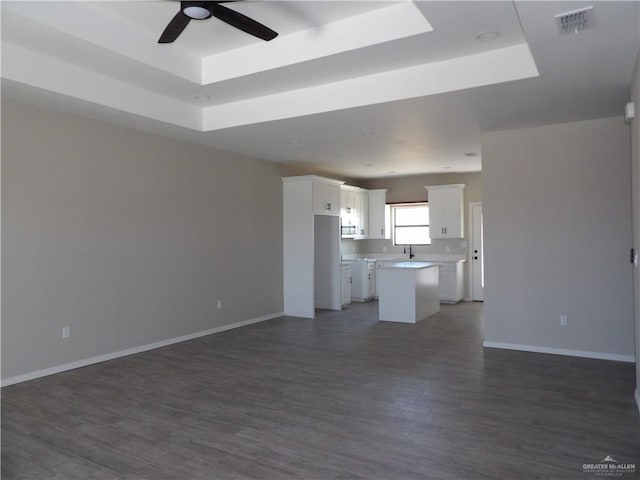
391, 171
487, 36
446, 167
470, 154
202, 98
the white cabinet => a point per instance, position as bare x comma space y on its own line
362, 214
347, 203
379, 265
451, 282
379, 214
348, 224
311, 245
346, 284
326, 196
363, 273
354, 212
446, 211
371, 279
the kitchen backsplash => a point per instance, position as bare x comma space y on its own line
452, 246
349, 246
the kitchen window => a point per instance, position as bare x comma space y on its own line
410, 223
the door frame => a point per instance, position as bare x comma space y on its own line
471, 263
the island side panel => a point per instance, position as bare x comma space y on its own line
427, 293
397, 301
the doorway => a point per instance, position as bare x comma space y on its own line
476, 253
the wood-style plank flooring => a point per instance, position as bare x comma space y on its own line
339, 397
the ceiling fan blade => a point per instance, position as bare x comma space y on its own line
242, 22
175, 28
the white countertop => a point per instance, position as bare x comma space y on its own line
411, 265
434, 257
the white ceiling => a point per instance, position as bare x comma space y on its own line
356, 88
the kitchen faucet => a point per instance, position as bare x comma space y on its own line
411, 254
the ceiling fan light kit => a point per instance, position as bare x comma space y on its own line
203, 10
196, 10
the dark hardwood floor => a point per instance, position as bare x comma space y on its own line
338, 397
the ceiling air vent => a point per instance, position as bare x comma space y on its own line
575, 21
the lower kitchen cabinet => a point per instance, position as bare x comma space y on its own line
346, 284
363, 273
451, 280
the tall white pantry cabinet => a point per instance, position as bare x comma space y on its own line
311, 245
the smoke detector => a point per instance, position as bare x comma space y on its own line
575, 21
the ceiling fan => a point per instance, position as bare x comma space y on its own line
206, 9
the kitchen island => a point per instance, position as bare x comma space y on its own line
451, 271
408, 291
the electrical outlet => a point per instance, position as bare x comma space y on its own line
563, 320
447, 249
66, 332
463, 244
384, 248
219, 304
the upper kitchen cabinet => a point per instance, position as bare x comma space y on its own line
354, 212
362, 214
379, 214
326, 195
347, 201
348, 221
446, 211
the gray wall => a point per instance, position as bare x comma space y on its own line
635, 161
128, 238
557, 223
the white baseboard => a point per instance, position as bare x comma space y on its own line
637, 397
131, 351
561, 351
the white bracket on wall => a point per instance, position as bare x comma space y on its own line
629, 112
